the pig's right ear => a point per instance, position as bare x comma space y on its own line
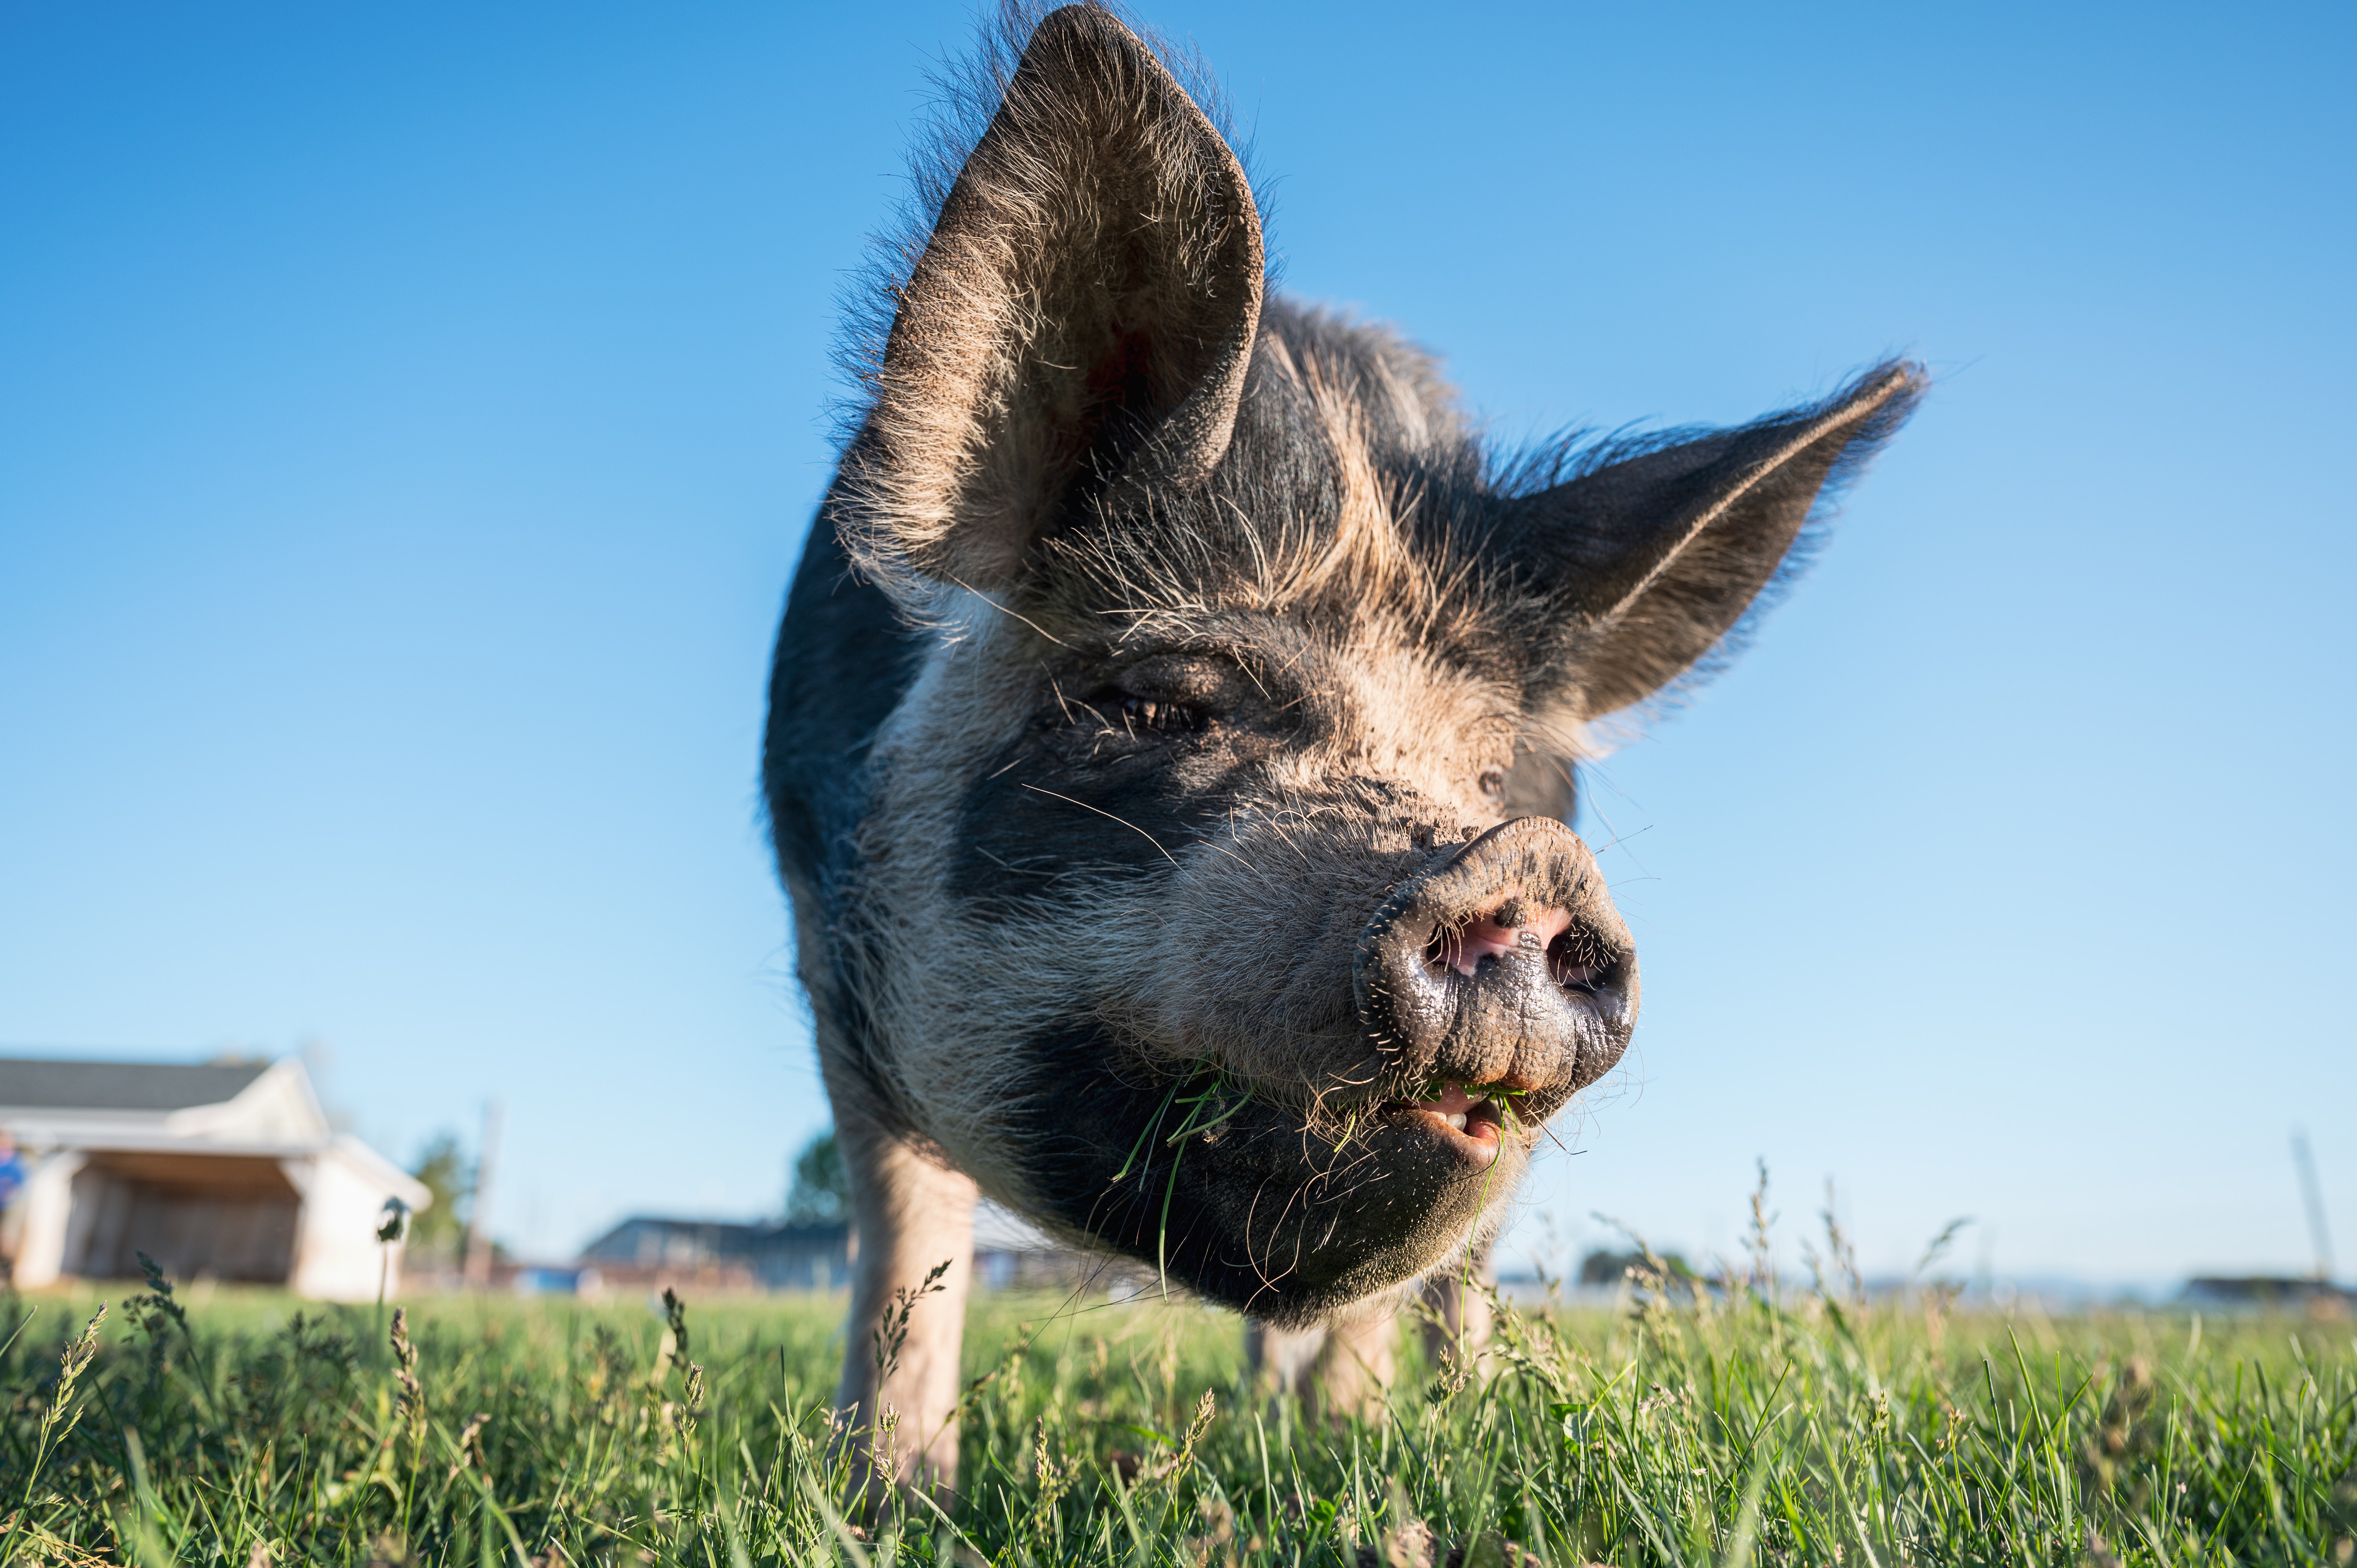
1654, 555
1082, 314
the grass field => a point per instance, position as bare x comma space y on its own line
243, 1429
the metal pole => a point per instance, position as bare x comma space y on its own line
2313, 1195
476, 1270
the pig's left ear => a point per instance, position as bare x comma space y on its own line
1081, 318
1653, 559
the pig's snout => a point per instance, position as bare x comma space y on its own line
1504, 964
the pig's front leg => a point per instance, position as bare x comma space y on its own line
1356, 1365
900, 1403
1337, 1369
1343, 1368
1457, 1327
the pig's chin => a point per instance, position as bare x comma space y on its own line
1283, 1216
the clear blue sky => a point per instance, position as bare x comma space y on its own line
409, 416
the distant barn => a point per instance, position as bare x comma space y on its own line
228, 1171
2270, 1293
649, 1250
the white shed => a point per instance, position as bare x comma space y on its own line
227, 1170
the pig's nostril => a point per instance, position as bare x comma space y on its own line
1480, 945
1573, 961
1472, 951
1573, 965
1449, 949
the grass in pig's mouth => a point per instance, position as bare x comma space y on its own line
1212, 1104
1209, 1096
1484, 1112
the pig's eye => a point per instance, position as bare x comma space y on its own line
1493, 784
1159, 717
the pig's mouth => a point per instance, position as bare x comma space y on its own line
1355, 1138
1472, 1128
1251, 1199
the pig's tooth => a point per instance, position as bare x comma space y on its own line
1457, 1119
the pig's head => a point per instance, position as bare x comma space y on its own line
1214, 899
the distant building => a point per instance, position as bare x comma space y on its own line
2270, 1293
1012, 1253
714, 1254
650, 1251
227, 1171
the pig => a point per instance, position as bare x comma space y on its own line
1172, 740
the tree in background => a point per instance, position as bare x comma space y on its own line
819, 1194
437, 1232
1606, 1268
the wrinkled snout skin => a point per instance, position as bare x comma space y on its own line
1501, 964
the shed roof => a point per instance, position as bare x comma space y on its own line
32, 1084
